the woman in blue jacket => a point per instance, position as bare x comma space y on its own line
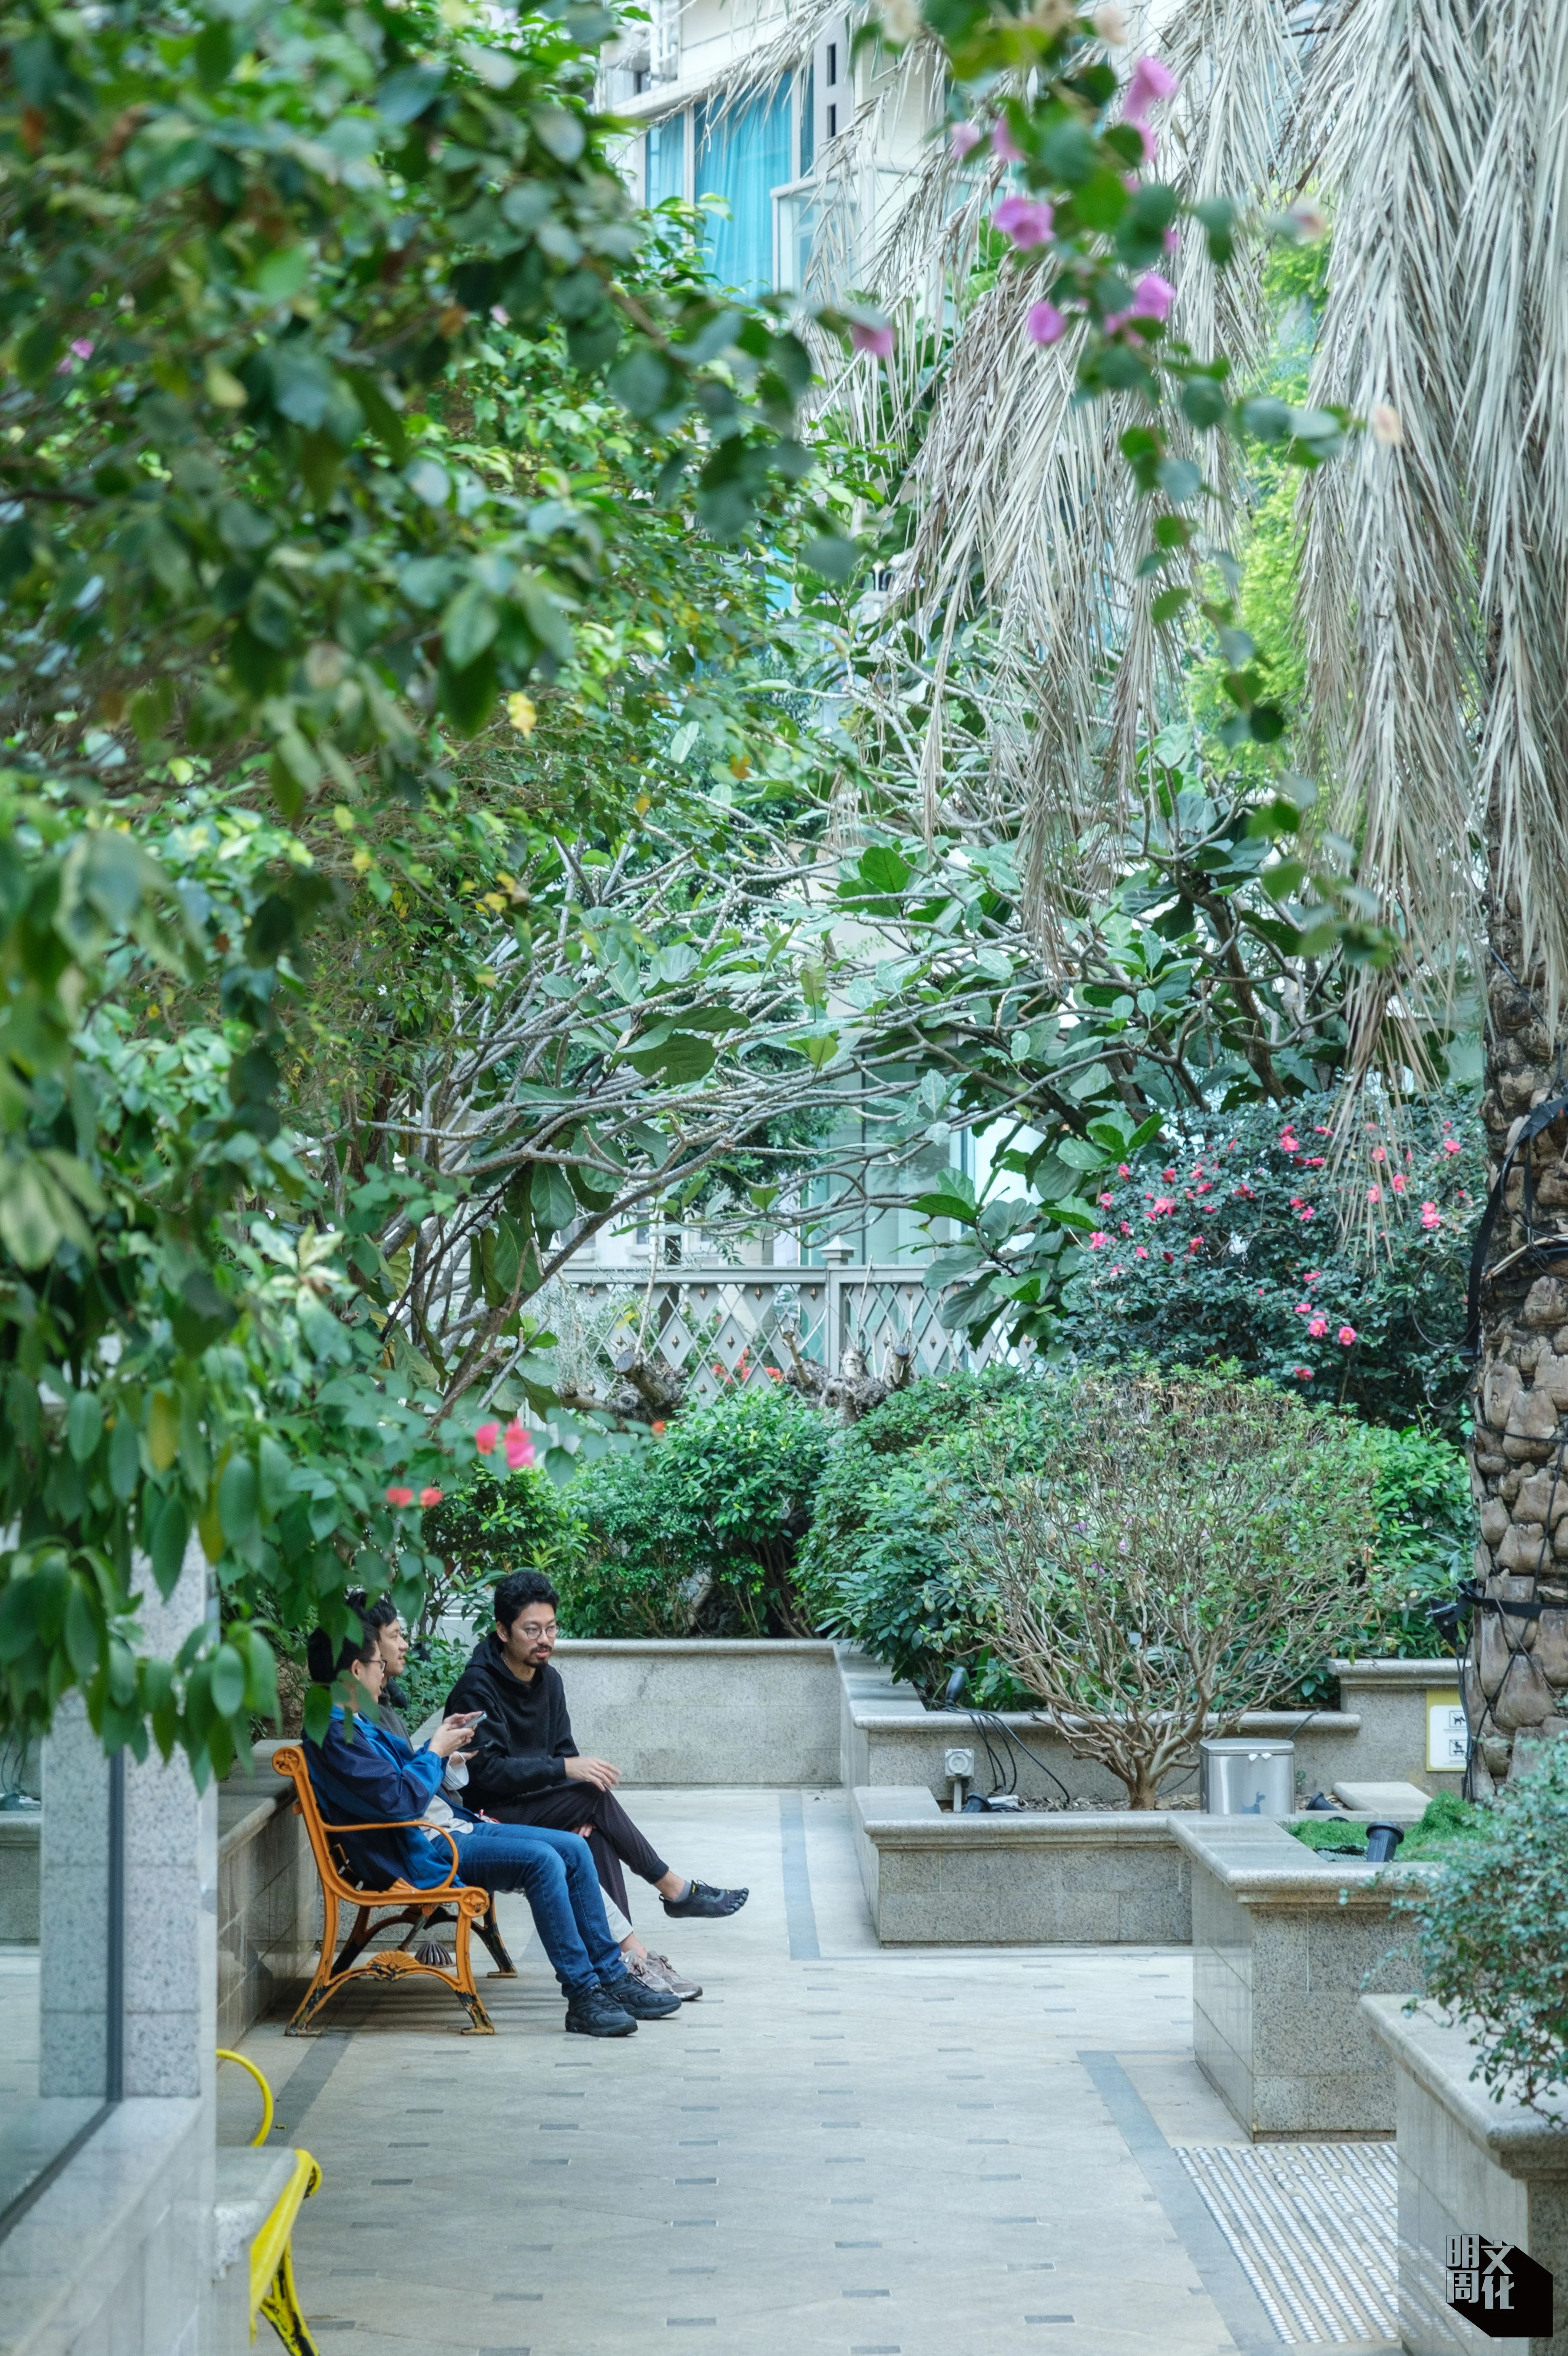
363, 1772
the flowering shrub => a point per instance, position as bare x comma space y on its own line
1229, 1244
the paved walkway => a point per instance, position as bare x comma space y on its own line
842, 2150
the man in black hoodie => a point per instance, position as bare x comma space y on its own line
525, 1769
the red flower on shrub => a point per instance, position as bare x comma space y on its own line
399, 1497
430, 1497
486, 1437
519, 1447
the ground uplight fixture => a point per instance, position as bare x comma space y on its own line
1381, 1842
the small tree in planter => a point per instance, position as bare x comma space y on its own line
1189, 1557
1492, 1933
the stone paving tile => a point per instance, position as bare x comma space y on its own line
957, 2188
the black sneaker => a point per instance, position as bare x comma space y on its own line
704, 1899
597, 2013
644, 2003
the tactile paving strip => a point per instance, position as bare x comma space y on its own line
1314, 2226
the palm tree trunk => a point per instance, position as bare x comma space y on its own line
1516, 1665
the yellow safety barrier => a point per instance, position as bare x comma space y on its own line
273, 2292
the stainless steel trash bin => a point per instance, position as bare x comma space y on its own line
1238, 1778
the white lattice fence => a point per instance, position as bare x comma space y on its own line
714, 1326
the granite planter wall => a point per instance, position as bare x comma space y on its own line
1376, 1735
1027, 1878
269, 1901
1467, 2165
20, 1877
724, 1711
1283, 1945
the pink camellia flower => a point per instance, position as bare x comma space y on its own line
519, 1447
1451, 1145
1195, 1243
1308, 1213
399, 1497
1123, 1169
1304, 1374
876, 341
1303, 1308
1313, 1276
1046, 324
1162, 1205
1151, 83
1318, 1328
1374, 1194
1289, 1141
1004, 146
486, 1438
1378, 1153
1125, 1228
1115, 1271
429, 1498
963, 136
1097, 1241
1025, 219
1431, 1216
1312, 1161
1344, 1336
1140, 1251
1105, 1201
1167, 1175
82, 347
1399, 1182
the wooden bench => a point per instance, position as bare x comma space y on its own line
466, 1909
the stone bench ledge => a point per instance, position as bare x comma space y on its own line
897, 1816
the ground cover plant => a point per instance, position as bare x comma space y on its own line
1448, 1828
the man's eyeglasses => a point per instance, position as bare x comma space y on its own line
529, 1632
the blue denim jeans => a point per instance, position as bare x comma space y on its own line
556, 1873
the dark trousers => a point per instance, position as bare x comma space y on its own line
612, 1837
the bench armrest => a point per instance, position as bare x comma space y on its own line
401, 1824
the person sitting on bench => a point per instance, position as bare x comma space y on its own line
525, 1769
364, 1775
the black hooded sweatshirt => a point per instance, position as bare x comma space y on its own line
526, 1736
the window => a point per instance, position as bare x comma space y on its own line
743, 154
61, 1874
665, 160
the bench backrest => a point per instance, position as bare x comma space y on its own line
331, 1864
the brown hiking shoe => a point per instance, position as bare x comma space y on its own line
668, 1976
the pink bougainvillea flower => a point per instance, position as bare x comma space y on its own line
430, 1497
1046, 324
1151, 81
1097, 1241
1431, 1216
1318, 1328
398, 1496
486, 1437
1152, 298
519, 1447
1344, 1336
1140, 1251
963, 137
1004, 146
1025, 219
876, 341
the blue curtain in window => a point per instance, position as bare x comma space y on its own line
665, 159
743, 154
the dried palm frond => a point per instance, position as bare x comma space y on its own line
1390, 128
1024, 509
